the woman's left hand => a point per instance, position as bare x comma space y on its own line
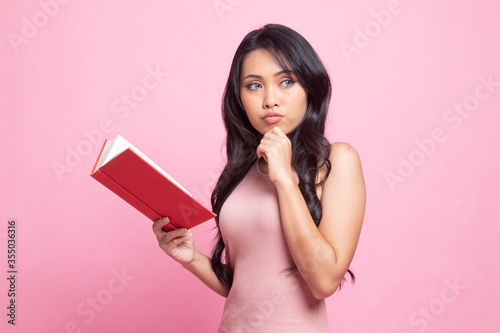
276, 149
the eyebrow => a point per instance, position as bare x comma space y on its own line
285, 71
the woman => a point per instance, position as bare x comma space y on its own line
289, 205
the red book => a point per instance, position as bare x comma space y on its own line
131, 175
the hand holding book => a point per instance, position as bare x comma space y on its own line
178, 244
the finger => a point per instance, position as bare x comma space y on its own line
159, 224
277, 130
271, 133
273, 136
267, 146
169, 237
178, 240
261, 152
174, 243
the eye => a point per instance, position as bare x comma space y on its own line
253, 86
287, 83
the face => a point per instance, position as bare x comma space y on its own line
271, 96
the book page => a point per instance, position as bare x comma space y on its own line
112, 149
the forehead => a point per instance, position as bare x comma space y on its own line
261, 62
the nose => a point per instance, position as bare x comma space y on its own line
271, 98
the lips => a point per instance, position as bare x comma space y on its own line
273, 117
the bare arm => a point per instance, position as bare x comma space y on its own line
323, 254
179, 245
201, 267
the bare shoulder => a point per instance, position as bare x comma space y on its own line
346, 174
343, 156
344, 192
345, 169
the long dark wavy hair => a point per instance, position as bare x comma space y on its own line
310, 148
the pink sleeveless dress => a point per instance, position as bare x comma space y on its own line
264, 297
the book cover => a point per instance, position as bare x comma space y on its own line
131, 175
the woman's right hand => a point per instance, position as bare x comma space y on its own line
178, 244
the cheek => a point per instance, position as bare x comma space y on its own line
246, 106
244, 100
303, 97
249, 105
299, 102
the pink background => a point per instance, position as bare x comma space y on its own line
428, 256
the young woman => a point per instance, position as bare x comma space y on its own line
289, 205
